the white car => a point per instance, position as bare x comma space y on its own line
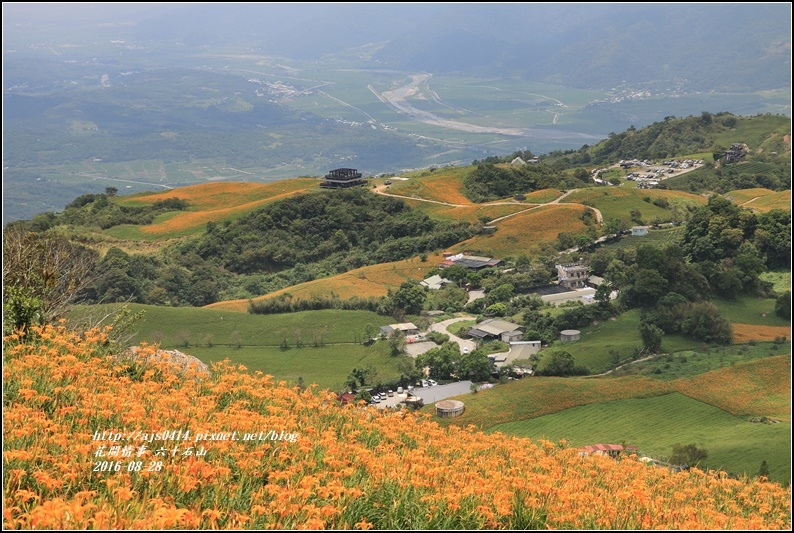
465, 350
432, 382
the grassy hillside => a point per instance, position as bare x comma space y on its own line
761, 199
656, 424
466, 213
525, 232
336, 468
605, 343
327, 366
593, 410
171, 325
323, 346
373, 280
212, 202
618, 202
443, 185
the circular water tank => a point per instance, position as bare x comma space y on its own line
568, 335
449, 408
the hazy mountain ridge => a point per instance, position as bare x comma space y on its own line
734, 46
742, 45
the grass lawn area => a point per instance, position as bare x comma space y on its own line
750, 310
174, 327
530, 398
457, 326
327, 366
656, 424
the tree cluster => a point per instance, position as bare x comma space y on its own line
447, 362
97, 210
490, 182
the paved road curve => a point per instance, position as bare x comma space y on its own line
441, 327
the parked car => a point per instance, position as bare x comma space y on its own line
433, 383
391, 393
425, 383
399, 390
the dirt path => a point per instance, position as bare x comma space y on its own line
748, 201
599, 216
621, 366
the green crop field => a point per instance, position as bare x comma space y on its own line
619, 202
174, 327
656, 424
327, 366
323, 346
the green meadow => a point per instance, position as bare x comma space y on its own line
599, 343
654, 238
173, 327
321, 346
687, 363
327, 366
750, 310
656, 424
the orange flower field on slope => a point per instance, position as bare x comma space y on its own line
319, 465
756, 332
371, 280
218, 201
759, 388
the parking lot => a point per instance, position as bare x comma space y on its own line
431, 394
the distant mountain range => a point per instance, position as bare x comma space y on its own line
700, 46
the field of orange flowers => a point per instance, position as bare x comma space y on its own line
762, 199
759, 388
755, 332
778, 200
372, 280
319, 466
466, 213
443, 186
523, 233
216, 201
